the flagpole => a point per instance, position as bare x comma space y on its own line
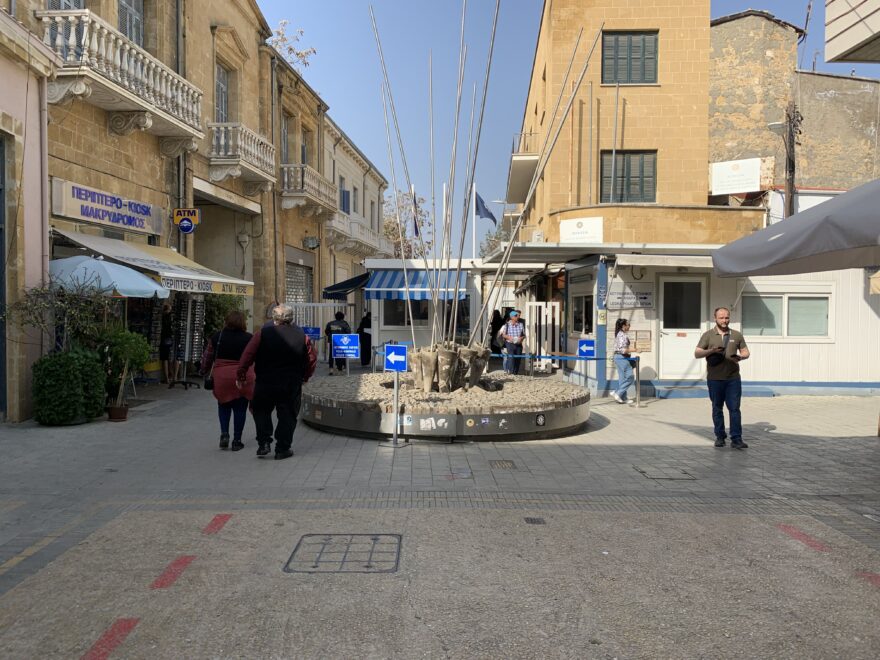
474, 226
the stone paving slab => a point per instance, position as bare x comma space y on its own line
476, 583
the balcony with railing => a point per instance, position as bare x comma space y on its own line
354, 237
523, 162
239, 152
106, 69
303, 186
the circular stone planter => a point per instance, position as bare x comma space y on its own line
525, 408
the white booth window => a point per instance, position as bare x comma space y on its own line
395, 313
581, 315
785, 315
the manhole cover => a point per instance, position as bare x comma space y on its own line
345, 553
664, 474
535, 521
502, 465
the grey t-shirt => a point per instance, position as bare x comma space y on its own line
722, 368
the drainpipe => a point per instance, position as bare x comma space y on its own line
44, 177
601, 327
181, 159
273, 80
364, 193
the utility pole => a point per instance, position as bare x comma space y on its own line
793, 119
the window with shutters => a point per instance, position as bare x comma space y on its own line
131, 20
355, 206
629, 58
634, 174
63, 5
221, 94
305, 146
344, 196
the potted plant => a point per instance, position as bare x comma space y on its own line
125, 352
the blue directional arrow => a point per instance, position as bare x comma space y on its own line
395, 357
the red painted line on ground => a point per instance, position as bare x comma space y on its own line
804, 538
174, 571
873, 578
217, 524
112, 637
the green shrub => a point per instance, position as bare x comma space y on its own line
68, 387
217, 306
124, 351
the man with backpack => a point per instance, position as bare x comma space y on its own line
339, 326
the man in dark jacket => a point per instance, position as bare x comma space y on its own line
283, 359
339, 326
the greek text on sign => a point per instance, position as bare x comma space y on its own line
205, 286
71, 200
631, 295
346, 346
193, 215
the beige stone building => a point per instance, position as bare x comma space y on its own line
623, 200
163, 106
26, 65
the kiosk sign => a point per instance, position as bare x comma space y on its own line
346, 346
312, 332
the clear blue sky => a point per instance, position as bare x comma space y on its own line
345, 71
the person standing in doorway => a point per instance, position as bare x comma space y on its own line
724, 348
365, 334
495, 325
513, 334
166, 346
339, 326
223, 353
622, 356
283, 359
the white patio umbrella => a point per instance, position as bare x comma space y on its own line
105, 276
843, 232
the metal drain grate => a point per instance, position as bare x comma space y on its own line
345, 553
664, 474
535, 521
502, 465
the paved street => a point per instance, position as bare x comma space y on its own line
636, 538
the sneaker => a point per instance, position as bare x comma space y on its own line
616, 397
330, 373
263, 449
719, 442
237, 445
224, 441
281, 455
631, 402
738, 444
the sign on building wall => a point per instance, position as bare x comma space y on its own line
630, 295
77, 202
581, 230
734, 177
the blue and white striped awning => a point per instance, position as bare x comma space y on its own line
389, 285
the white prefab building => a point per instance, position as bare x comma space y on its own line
808, 334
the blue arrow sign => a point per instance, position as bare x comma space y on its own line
346, 346
395, 357
586, 348
186, 226
312, 332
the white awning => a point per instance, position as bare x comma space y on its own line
665, 260
170, 269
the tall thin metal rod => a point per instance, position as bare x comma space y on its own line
409, 184
435, 321
450, 193
590, 147
397, 212
473, 168
539, 171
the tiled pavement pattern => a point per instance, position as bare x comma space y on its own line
818, 456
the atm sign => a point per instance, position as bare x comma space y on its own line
193, 215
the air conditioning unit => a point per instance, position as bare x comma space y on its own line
311, 242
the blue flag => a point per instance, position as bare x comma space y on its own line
483, 211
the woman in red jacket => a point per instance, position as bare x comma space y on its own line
224, 351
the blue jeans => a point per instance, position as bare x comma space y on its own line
625, 376
511, 365
729, 393
225, 411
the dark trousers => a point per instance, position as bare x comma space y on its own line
239, 409
286, 405
512, 364
726, 393
340, 362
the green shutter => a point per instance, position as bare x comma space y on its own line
629, 58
